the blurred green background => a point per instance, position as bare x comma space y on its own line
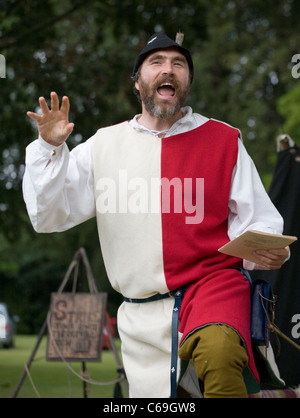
54, 379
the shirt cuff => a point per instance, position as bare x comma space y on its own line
48, 149
47, 145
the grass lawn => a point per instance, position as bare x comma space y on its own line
53, 379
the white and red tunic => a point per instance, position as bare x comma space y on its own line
152, 244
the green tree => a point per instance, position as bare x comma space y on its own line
289, 109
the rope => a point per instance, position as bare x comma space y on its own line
271, 325
31, 381
274, 328
271, 310
90, 381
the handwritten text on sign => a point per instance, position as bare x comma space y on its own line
76, 323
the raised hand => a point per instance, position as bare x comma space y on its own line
53, 125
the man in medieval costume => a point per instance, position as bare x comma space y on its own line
168, 188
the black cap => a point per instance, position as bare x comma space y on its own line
162, 41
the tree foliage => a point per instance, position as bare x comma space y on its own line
242, 51
289, 108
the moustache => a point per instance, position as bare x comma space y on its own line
170, 79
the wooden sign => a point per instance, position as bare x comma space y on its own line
76, 323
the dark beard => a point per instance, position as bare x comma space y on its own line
163, 110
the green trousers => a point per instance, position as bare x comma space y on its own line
219, 360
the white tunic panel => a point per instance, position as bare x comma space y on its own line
127, 188
146, 350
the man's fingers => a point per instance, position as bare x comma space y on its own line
65, 105
70, 127
53, 124
268, 263
275, 254
44, 106
54, 101
34, 116
274, 258
267, 255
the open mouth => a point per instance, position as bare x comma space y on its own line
166, 91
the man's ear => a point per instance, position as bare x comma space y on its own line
136, 85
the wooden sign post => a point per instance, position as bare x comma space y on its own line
75, 322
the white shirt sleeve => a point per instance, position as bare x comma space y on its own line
58, 185
250, 207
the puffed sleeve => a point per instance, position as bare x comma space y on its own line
58, 185
250, 207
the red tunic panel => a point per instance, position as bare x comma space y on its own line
217, 292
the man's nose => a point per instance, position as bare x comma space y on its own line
167, 68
